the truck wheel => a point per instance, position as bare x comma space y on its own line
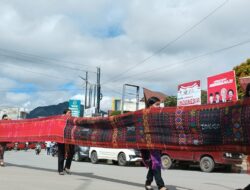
122, 159
93, 157
207, 164
166, 162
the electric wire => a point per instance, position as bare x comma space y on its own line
170, 42
164, 68
19, 55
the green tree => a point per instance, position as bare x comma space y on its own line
118, 112
203, 97
170, 101
241, 70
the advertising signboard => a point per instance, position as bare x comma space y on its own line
222, 88
75, 107
89, 112
189, 94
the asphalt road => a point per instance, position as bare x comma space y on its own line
27, 171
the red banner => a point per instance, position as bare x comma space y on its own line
222, 88
42, 129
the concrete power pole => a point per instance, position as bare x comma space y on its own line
98, 92
86, 90
95, 95
90, 96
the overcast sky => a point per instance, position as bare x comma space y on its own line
45, 45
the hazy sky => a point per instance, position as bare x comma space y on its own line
45, 45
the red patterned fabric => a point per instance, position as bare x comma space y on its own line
218, 127
42, 129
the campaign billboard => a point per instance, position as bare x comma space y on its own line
189, 93
222, 88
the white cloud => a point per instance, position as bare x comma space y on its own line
106, 103
16, 97
46, 37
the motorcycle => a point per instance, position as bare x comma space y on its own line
54, 150
38, 149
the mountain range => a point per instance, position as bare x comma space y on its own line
44, 111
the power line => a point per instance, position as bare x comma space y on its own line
18, 55
111, 89
34, 72
169, 43
36, 90
164, 68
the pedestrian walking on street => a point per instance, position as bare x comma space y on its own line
65, 151
48, 147
152, 158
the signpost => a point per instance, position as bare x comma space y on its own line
75, 107
89, 112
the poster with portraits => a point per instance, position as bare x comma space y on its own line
189, 94
222, 88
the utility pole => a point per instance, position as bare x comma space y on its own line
98, 93
94, 95
123, 98
90, 96
137, 97
86, 90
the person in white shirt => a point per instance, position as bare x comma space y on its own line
48, 146
223, 93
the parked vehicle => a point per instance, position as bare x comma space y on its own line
21, 146
81, 153
122, 156
43, 145
32, 145
16, 146
206, 160
10, 146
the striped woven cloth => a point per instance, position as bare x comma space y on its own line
218, 127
